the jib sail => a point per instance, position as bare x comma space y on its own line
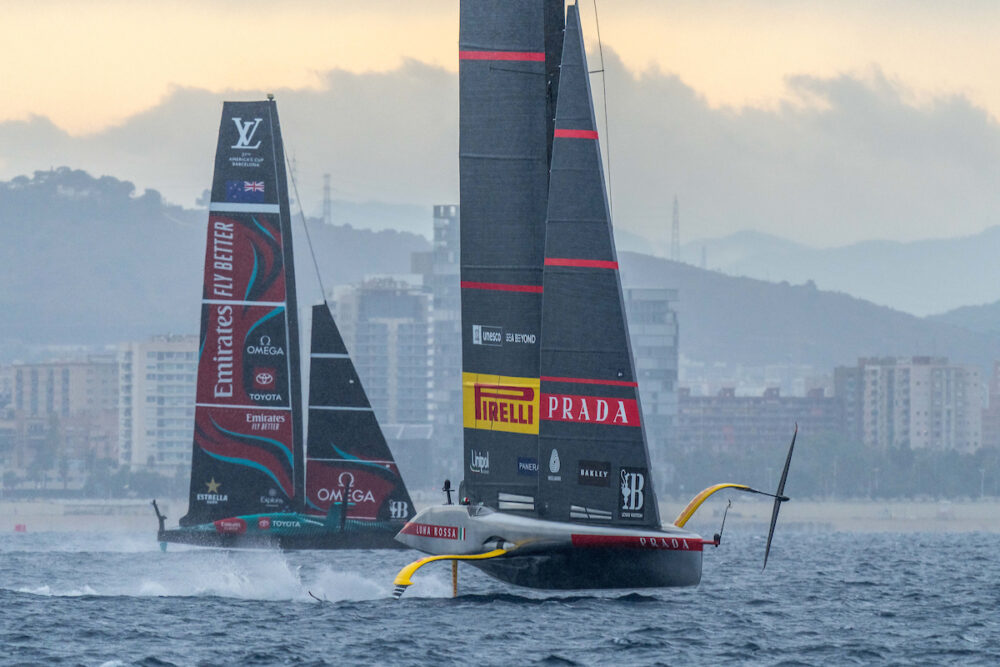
347, 456
247, 454
594, 463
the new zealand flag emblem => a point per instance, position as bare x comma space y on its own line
250, 192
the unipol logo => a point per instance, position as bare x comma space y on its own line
399, 509
479, 462
246, 130
633, 483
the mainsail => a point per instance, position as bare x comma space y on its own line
591, 428
503, 166
348, 458
247, 452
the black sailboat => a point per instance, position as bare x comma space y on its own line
557, 491
253, 480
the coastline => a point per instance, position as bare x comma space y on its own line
860, 515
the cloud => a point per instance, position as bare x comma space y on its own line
852, 157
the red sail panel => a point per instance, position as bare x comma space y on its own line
244, 356
243, 258
369, 489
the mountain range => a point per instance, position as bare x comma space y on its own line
920, 277
91, 261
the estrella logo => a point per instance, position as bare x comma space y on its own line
500, 403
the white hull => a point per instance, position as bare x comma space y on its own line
557, 554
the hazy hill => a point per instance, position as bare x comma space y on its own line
87, 260
724, 318
920, 277
984, 318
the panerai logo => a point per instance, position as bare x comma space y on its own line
554, 466
246, 130
633, 484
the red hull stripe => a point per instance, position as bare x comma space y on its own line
531, 56
575, 134
612, 383
502, 287
587, 263
658, 542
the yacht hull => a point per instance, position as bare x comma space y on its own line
283, 531
559, 555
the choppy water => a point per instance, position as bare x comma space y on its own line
825, 598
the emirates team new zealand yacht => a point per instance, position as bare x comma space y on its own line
254, 482
558, 492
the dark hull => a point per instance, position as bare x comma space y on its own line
375, 539
576, 569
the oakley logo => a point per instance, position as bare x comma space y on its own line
246, 130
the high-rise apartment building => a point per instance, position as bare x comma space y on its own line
60, 415
385, 325
653, 331
991, 413
444, 283
157, 380
913, 402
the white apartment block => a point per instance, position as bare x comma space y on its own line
920, 403
157, 380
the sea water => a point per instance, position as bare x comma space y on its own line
825, 598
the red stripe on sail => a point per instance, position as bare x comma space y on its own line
530, 56
613, 383
502, 287
587, 263
659, 542
575, 134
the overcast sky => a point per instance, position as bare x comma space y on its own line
823, 122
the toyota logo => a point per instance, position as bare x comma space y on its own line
264, 378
